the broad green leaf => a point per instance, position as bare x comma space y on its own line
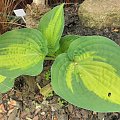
22, 52
51, 25
6, 84
65, 43
88, 75
2, 78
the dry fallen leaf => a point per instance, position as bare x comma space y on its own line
12, 104
2, 108
115, 30
2, 117
36, 118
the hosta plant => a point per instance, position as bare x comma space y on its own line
86, 70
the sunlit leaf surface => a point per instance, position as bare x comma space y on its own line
88, 75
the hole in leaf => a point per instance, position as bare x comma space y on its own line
109, 94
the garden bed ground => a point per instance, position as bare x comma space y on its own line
26, 102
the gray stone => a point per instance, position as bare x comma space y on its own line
100, 13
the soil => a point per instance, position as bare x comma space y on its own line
28, 100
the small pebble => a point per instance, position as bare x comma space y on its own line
42, 113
